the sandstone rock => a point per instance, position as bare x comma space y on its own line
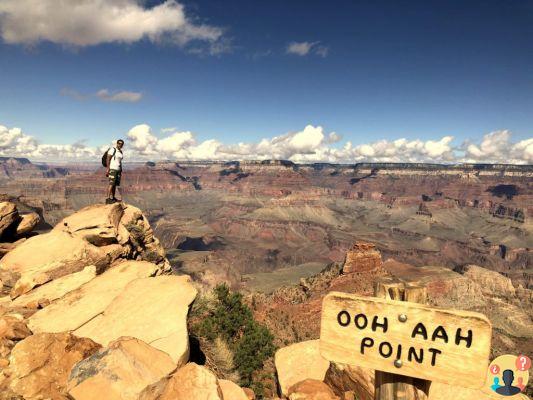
83, 304
350, 378
363, 257
119, 372
97, 224
231, 391
56, 289
151, 309
8, 216
43, 258
95, 235
40, 364
189, 382
291, 367
492, 283
311, 389
27, 223
13, 327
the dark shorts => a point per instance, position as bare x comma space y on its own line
114, 177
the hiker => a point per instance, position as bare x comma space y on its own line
113, 166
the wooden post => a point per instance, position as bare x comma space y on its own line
391, 386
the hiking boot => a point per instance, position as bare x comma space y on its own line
110, 201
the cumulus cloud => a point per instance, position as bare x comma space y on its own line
312, 144
497, 147
122, 96
91, 22
305, 48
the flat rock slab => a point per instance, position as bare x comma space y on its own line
119, 372
151, 309
49, 256
298, 362
80, 306
55, 289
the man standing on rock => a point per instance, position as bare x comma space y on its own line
114, 170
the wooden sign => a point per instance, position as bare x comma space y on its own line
406, 338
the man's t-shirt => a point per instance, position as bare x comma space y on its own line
116, 160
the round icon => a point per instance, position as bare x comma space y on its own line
495, 369
523, 363
508, 376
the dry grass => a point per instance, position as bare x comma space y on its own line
219, 358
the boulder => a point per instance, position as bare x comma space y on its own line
96, 224
119, 372
55, 289
189, 382
8, 216
292, 370
40, 364
82, 305
311, 389
362, 257
350, 378
231, 391
151, 309
27, 223
43, 258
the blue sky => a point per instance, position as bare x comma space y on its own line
374, 70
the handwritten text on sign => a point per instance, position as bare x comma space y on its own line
406, 338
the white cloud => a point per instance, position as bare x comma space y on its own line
497, 147
311, 144
122, 96
91, 22
305, 48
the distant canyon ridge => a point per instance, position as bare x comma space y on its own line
260, 225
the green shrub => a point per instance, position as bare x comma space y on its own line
227, 317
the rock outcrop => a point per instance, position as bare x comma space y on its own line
292, 368
492, 283
96, 279
40, 364
97, 235
362, 257
120, 371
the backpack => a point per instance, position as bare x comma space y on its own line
104, 157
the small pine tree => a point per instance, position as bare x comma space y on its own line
232, 320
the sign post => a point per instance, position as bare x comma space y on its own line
408, 344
